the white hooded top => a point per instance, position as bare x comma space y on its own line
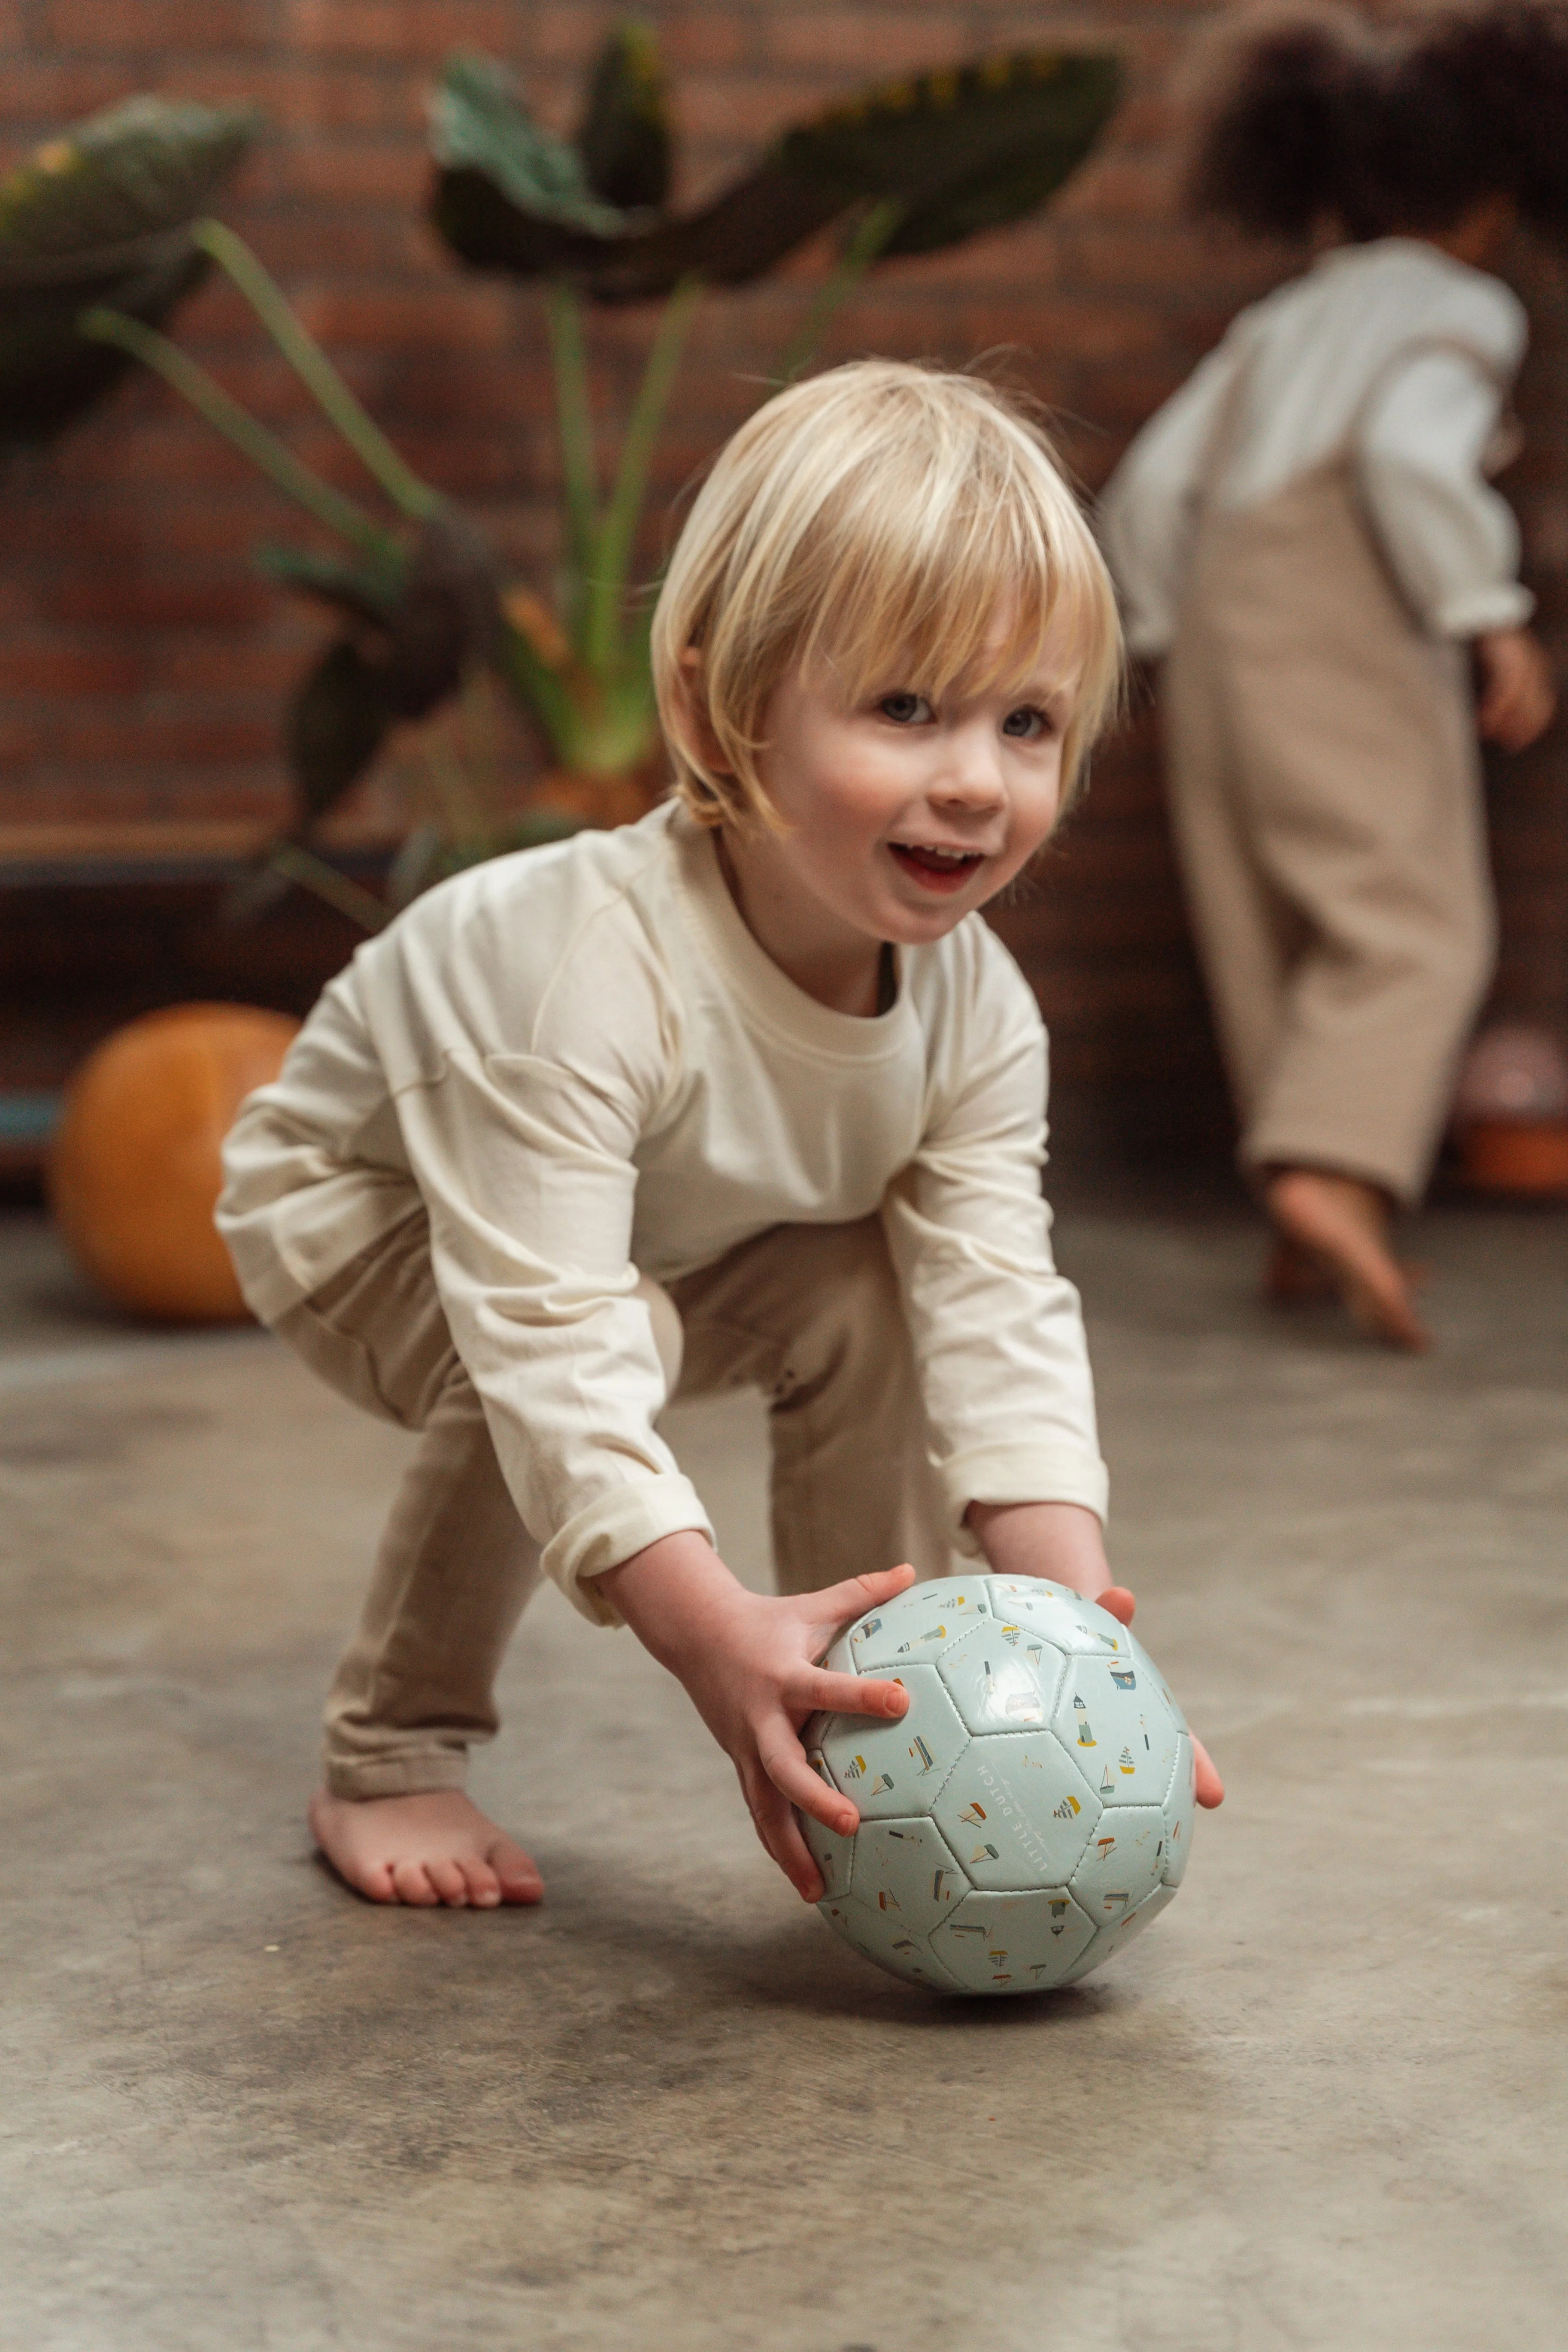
1370, 351
585, 1067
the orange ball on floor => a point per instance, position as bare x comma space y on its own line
134, 1172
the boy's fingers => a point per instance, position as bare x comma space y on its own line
858, 1593
773, 1819
784, 1760
1208, 1787
1118, 1602
818, 1691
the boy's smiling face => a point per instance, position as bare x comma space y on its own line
901, 813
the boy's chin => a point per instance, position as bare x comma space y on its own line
913, 926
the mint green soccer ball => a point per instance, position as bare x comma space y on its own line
1033, 1810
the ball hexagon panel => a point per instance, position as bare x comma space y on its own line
1066, 1620
894, 1768
1012, 1943
889, 1945
905, 1873
1002, 1677
1111, 1939
1016, 1811
1114, 1720
1145, 1665
1181, 1812
918, 1625
1123, 1863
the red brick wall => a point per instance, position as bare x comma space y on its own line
142, 662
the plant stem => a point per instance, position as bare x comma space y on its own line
574, 429
236, 424
313, 873
316, 373
468, 823
871, 236
613, 554
541, 691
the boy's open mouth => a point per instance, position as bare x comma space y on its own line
936, 869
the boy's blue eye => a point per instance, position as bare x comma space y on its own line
905, 710
1025, 725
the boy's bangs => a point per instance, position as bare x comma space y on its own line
930, 601
899, 530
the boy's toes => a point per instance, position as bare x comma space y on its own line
484, 1887
413, 1885
449, 1881
517, 1876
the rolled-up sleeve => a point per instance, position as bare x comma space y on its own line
1450, 537
525, 1162
998, 1333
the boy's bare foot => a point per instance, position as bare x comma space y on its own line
437, 1847
1341, 1221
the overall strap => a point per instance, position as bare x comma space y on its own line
1224, 433
1456, 347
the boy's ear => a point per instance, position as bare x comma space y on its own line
695, 724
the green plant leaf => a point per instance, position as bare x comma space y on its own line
100, 216
447, 621
366, 592
1066, 102
958, 151
336, 724
129, 173
49, 374
624, 139
478, 125
420, 640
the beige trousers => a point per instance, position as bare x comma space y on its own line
808, 1314
1326, 797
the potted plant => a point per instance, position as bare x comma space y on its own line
904, 167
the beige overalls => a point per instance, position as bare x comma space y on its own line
1326, 793
811, 1315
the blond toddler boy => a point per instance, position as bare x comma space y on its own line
744, 1094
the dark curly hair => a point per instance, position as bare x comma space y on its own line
1315, 115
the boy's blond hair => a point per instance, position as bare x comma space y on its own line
880, 517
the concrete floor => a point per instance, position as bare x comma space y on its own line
1321, 2105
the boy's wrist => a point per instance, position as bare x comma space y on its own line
670, 1592
1061, 1541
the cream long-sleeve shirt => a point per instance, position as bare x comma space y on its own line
585, 1068
1371, 349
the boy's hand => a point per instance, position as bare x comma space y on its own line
1517, 697
1062, 1542
749, 1663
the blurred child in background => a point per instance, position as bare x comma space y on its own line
1306, 533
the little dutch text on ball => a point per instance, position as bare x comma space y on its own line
1031, 1812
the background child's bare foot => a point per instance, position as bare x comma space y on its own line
1344, 1222
1295, 1276
437, 1847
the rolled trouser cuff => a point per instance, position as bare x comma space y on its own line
1400, 1171
411, 1773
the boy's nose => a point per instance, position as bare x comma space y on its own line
970, 778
